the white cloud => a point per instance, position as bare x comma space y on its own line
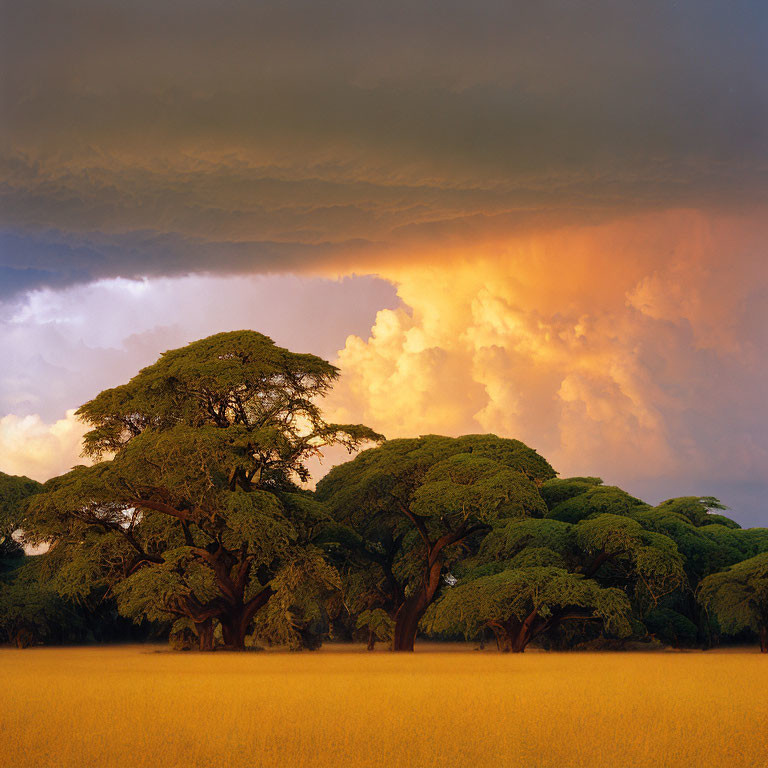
38, 449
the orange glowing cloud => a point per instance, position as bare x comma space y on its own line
604, 347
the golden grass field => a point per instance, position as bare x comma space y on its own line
138, 706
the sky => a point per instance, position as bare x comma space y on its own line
545, 220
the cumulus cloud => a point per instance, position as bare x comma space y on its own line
570, 199
644, 368
63, 347
30, 446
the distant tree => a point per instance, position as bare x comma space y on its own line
709, 542
195, 512
412, 507
671, 627
27, 613
530, 576
738, 596
589, 499
32, 612
518, 604
14, 490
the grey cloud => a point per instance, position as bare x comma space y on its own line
159, 139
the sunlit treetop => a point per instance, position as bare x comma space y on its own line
474, 475
594, 500
241, 381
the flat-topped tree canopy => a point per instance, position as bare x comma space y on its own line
373, 488
196, 513
518, 601
738, 597
698, 510
417, 504
267, 396
591, 500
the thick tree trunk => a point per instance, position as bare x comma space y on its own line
764, 639
237, 619
205, 634
410, 612
233, 631
502, 631
371, 639
525, 633
406, 625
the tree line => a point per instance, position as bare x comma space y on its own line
193, 523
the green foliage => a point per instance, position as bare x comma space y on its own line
650, 559
196, 510
596, 500
738, 596
416, 507
517, 593
377, 621
31, 612
558, 490
707, 547
14, 490
369, 490
696, 509
297, 613
512, 537
671, 627
466, 486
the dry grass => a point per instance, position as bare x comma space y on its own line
139, 706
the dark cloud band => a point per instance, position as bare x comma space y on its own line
152, 138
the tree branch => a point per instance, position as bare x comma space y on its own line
159, 506
417, 521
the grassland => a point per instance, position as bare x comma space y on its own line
142, 706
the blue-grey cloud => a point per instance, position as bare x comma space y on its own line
271, 136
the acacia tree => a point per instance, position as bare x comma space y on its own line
531, 575
707, 540
14, 490
738, 596
416, 505
27, 613
197, 512
518, 604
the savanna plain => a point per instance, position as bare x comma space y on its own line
147, 706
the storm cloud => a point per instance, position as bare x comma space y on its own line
148, 138
569, 199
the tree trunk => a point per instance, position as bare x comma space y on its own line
410, 612
406, 625
503, 634
525, 633
234, 628
764, 639
236, 621
205, 634
371, 639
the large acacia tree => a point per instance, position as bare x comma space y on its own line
706, 539
192, 509
530, 576
411, 507
738, 596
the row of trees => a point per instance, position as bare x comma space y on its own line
193, 522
